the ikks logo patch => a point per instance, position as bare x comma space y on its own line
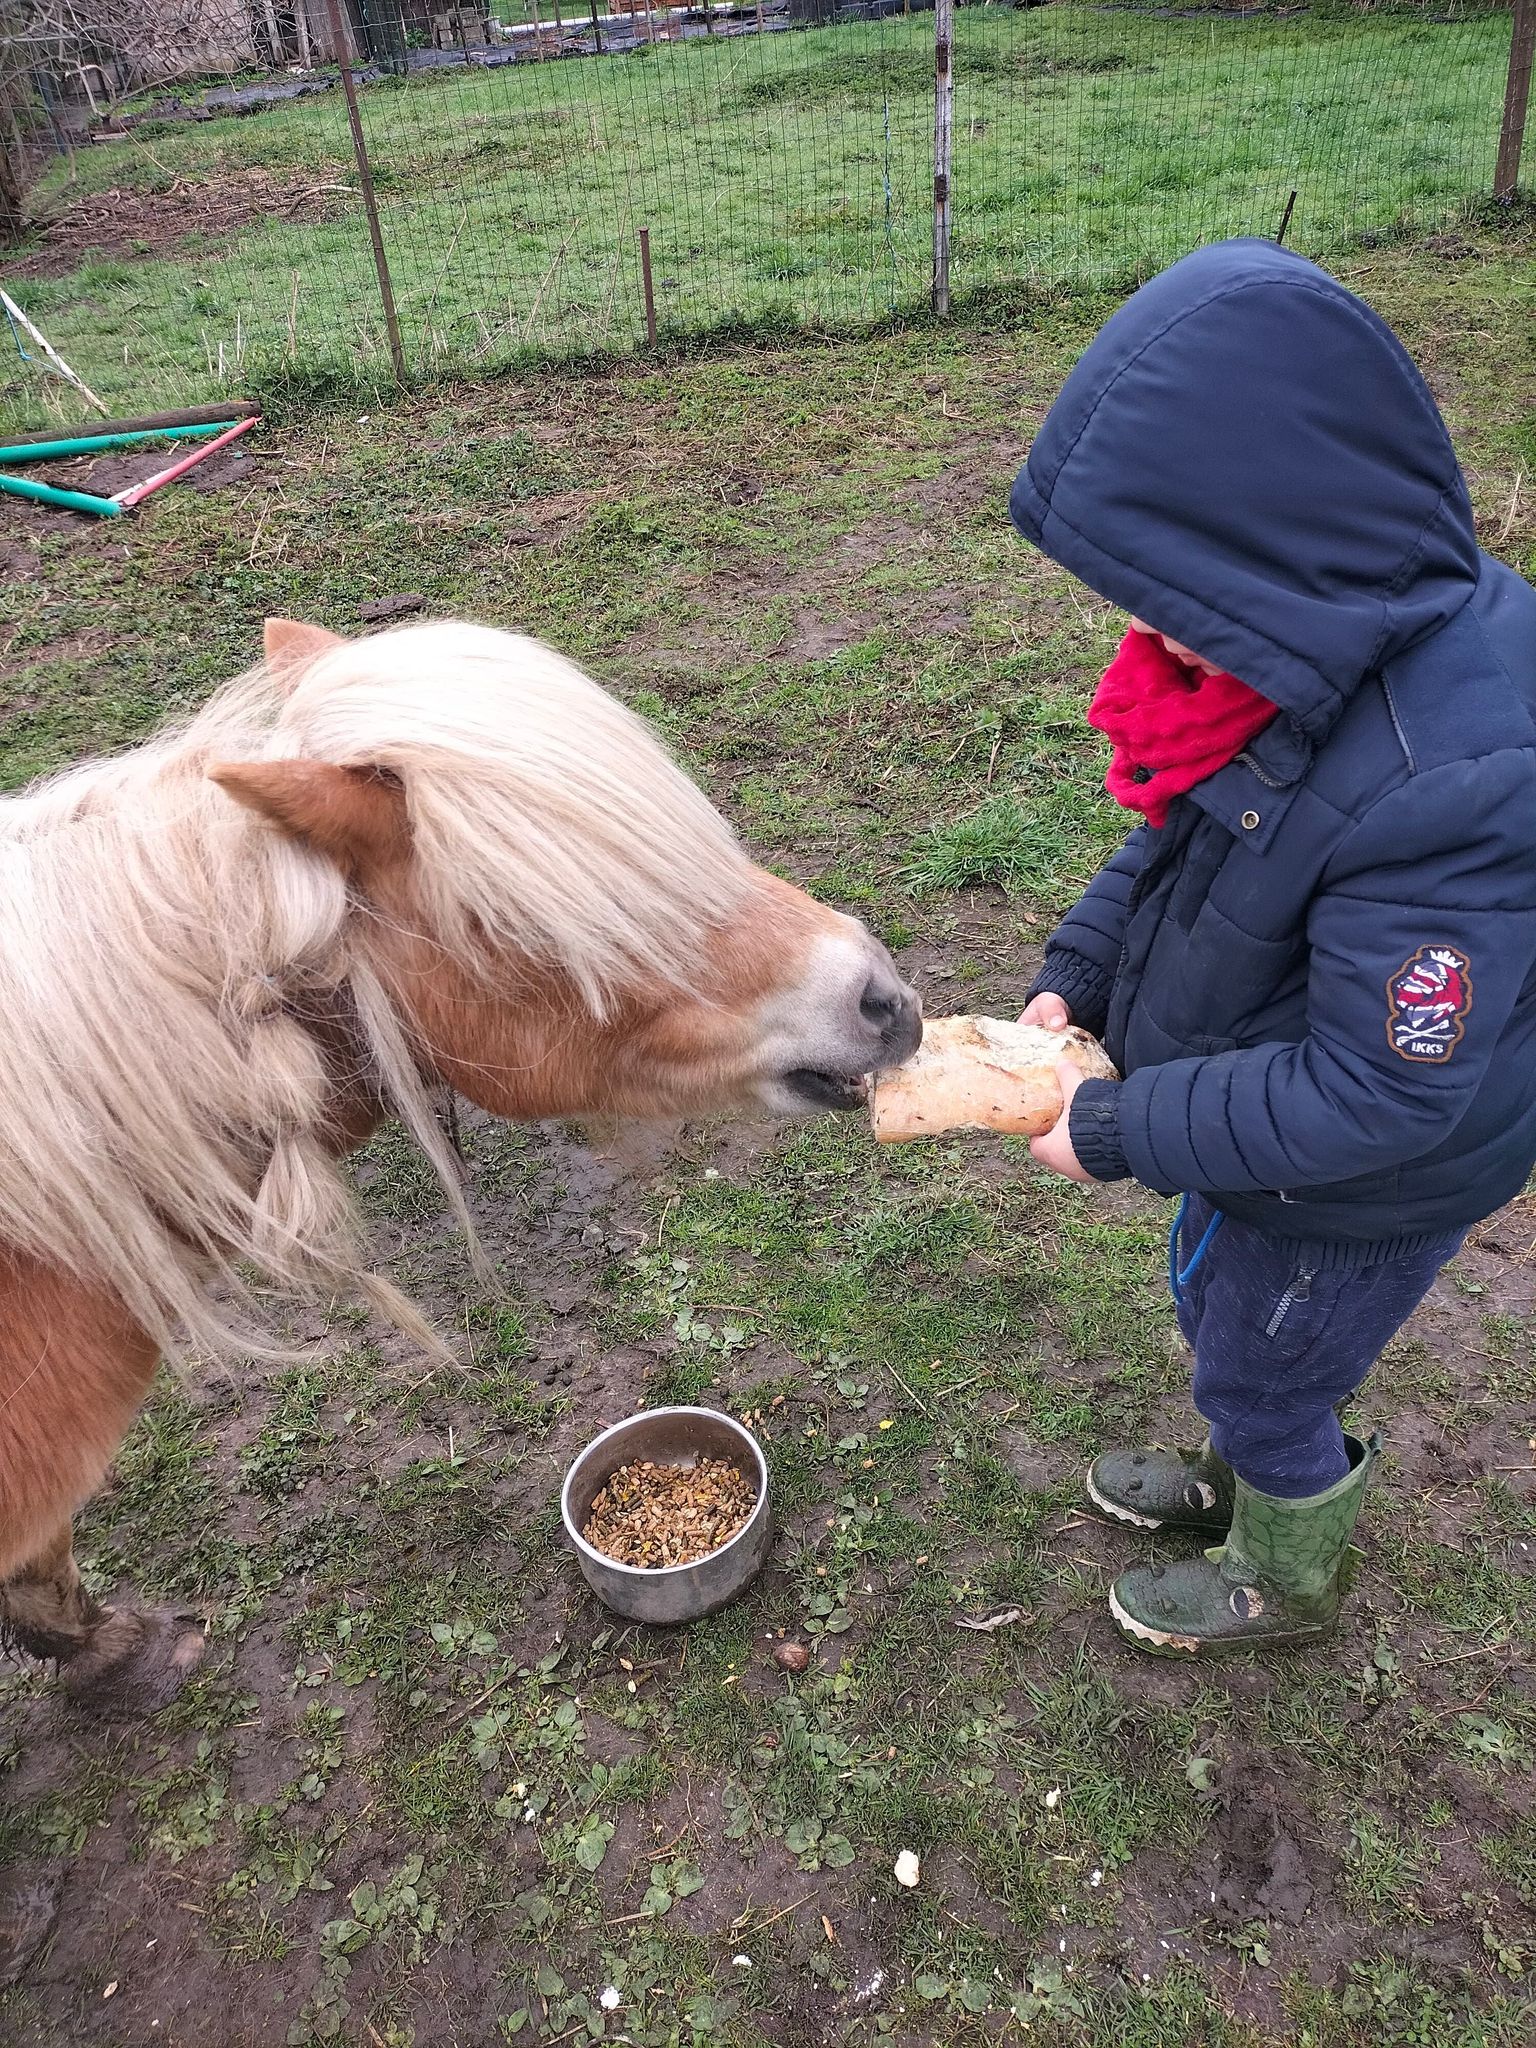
1427, 1003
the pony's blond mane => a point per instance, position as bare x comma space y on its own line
162, 1108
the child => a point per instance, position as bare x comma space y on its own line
1315, 961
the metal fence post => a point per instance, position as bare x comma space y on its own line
1517, 97
341, 43
943, 145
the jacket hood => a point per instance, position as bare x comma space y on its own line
1246, 458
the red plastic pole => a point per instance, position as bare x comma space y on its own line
125, 500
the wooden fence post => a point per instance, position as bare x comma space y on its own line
943, 145
1517, 98
341, 43
650, 290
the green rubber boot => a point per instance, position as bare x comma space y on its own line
1275, 1583
1160, 1489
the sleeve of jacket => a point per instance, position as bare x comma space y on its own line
1421, 939
1083, 953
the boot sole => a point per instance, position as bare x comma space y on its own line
1157, 1642
1117, 1509
1215, 1528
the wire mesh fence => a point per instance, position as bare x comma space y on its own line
203, 235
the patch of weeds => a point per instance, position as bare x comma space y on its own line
1392, 2005
1012, 1866
1508, 1857
665, 1295
671, 1879
278, 1461
827, 1573
1253, 1943
402, 1914
322, 1749
1382, 1678
1483, 1737
184, 1809
518, 1727
283, 1858
512, 1401
1461, 1589
395, 1180
1120, 1763
1385, 1868
1511, 1952
61, 1823
164, 1526
291, 387
800, 1775
506, 1165
1048, 1996
500, 1333
667, 1993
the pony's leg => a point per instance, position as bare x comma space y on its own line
47, 1611
123, 1662
73, 1371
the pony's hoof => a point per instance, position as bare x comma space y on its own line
136, 1663
29, 1905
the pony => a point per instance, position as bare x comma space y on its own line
367, 871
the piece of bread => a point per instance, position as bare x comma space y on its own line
980, 1073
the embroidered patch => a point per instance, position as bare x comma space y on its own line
1427, 1003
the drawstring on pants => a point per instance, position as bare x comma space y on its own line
1180, 1277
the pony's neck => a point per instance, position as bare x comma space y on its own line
357, 1105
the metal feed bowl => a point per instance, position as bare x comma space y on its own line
676, 1592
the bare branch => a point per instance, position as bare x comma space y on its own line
107, 50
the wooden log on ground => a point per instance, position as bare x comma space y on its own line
189, 416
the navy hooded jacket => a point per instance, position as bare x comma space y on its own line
1319, 977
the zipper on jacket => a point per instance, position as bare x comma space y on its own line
1246, 760
1300, 1289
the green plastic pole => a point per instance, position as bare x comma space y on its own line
87, 444
47, 494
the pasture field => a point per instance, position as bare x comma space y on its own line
423, 1794
784, 178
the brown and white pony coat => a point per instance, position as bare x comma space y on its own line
370, 868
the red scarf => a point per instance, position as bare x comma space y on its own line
1170, 726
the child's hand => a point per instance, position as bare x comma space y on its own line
1055, 1148
1048, 1011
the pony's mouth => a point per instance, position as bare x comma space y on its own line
828, 1091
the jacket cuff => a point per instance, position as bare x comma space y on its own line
1094, 1128
1082, 986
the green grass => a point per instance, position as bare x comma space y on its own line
1033, 849
782, 177
424, 1789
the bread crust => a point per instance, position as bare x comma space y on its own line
984, 1074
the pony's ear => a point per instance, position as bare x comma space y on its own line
291, 646
355, 815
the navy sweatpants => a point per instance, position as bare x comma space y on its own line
1278, 1342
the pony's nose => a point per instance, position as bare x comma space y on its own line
896, 1014
880, 1004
